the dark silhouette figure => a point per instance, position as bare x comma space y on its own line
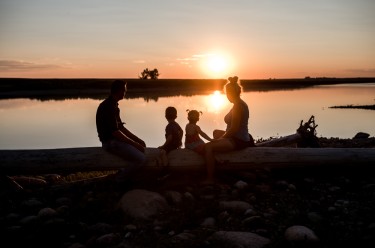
173, 131
193, 133
115, 138
236, 136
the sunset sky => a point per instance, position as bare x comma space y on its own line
187, 39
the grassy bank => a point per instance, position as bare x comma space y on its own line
98, 88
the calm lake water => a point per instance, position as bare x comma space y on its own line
33, 124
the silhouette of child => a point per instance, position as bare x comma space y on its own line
173, 131
193, 133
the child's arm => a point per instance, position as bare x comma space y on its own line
203, 134
167, 141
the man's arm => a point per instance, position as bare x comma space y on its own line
119, 135
132, 136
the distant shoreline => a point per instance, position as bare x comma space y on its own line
99, 88
369, 107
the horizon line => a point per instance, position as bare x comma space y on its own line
125, 78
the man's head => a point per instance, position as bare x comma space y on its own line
118, 89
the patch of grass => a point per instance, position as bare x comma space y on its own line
86, 175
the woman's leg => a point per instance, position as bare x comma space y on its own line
220, 145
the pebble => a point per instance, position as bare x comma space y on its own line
142, 204
46, 213
173, 197
241, 185
238, 239
314, 217
234, 206
208, 222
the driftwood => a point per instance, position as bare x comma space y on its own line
289, 140
304, 137
46, 161
68, 160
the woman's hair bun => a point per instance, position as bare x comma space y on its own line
233, 79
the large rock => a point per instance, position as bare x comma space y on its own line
238, 240
300, 234
142, 204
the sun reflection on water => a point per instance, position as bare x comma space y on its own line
216, 101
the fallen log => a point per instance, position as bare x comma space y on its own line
68, 160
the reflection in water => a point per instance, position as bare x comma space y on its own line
28, 124
216, 101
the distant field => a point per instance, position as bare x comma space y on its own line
96, 88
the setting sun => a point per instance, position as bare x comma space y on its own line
216, 65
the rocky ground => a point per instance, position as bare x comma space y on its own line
304, 207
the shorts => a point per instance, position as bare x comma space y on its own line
241, 144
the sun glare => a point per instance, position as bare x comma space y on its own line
216, 101
216, 65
